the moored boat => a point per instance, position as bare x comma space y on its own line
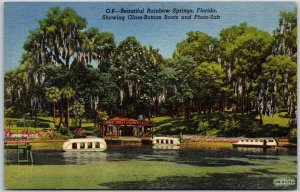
85, 144
256, 142
165, 142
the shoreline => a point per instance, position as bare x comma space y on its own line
184, 144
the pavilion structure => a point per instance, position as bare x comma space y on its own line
120, 126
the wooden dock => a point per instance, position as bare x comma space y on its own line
24, 152
23, 149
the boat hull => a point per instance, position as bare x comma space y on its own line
85, 144
91, 150
252, 146
165, 143
165, 146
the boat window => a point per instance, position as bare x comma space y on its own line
74, 145
97, 145
242, 140
157, 141
81, 145
247, 140
270, 140
256, 140
251, 140
260, 140
90, 145
171, 142
167, 141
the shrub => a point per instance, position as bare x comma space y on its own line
203, 127
79, 133
212, 133
102, 116
293, 135
51, 135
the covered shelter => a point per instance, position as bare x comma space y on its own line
120, 126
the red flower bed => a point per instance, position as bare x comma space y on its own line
7, 133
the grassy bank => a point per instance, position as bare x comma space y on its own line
276, 126
246, 125
218, 145
46, 122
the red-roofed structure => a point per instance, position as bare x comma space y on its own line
122, 126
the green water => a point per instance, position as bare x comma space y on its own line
146, 168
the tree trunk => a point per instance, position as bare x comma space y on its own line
156, 108
54, 113
188, 108
199, 108
221, 106
60, 118
242, 104
260, 119
243, 96
68, 116
209, 109
149, 115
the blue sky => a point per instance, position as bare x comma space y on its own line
20, 18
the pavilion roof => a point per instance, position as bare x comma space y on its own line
126, 121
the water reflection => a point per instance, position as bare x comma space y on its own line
191, 156
74, 157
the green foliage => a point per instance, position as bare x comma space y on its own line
198, 45
249, 50
293, 135
102, 116
210, 82
9, 111
203, 127
67, 92
180, 79
65, 60
52, 94
78, 110
52, 135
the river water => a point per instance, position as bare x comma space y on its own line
135, 167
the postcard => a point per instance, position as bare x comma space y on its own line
150, 95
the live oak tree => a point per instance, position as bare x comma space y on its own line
210, 83
277, 84
61, 44
243, 67
58, 38
285, 44
199, 45
182, 84
285, 35
246, 55
135, 71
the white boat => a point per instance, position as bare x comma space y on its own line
85, 144
165, 142
256, 142
165, 146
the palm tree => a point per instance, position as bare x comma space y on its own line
53, 95
67, 93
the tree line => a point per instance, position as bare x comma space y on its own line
68, 70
